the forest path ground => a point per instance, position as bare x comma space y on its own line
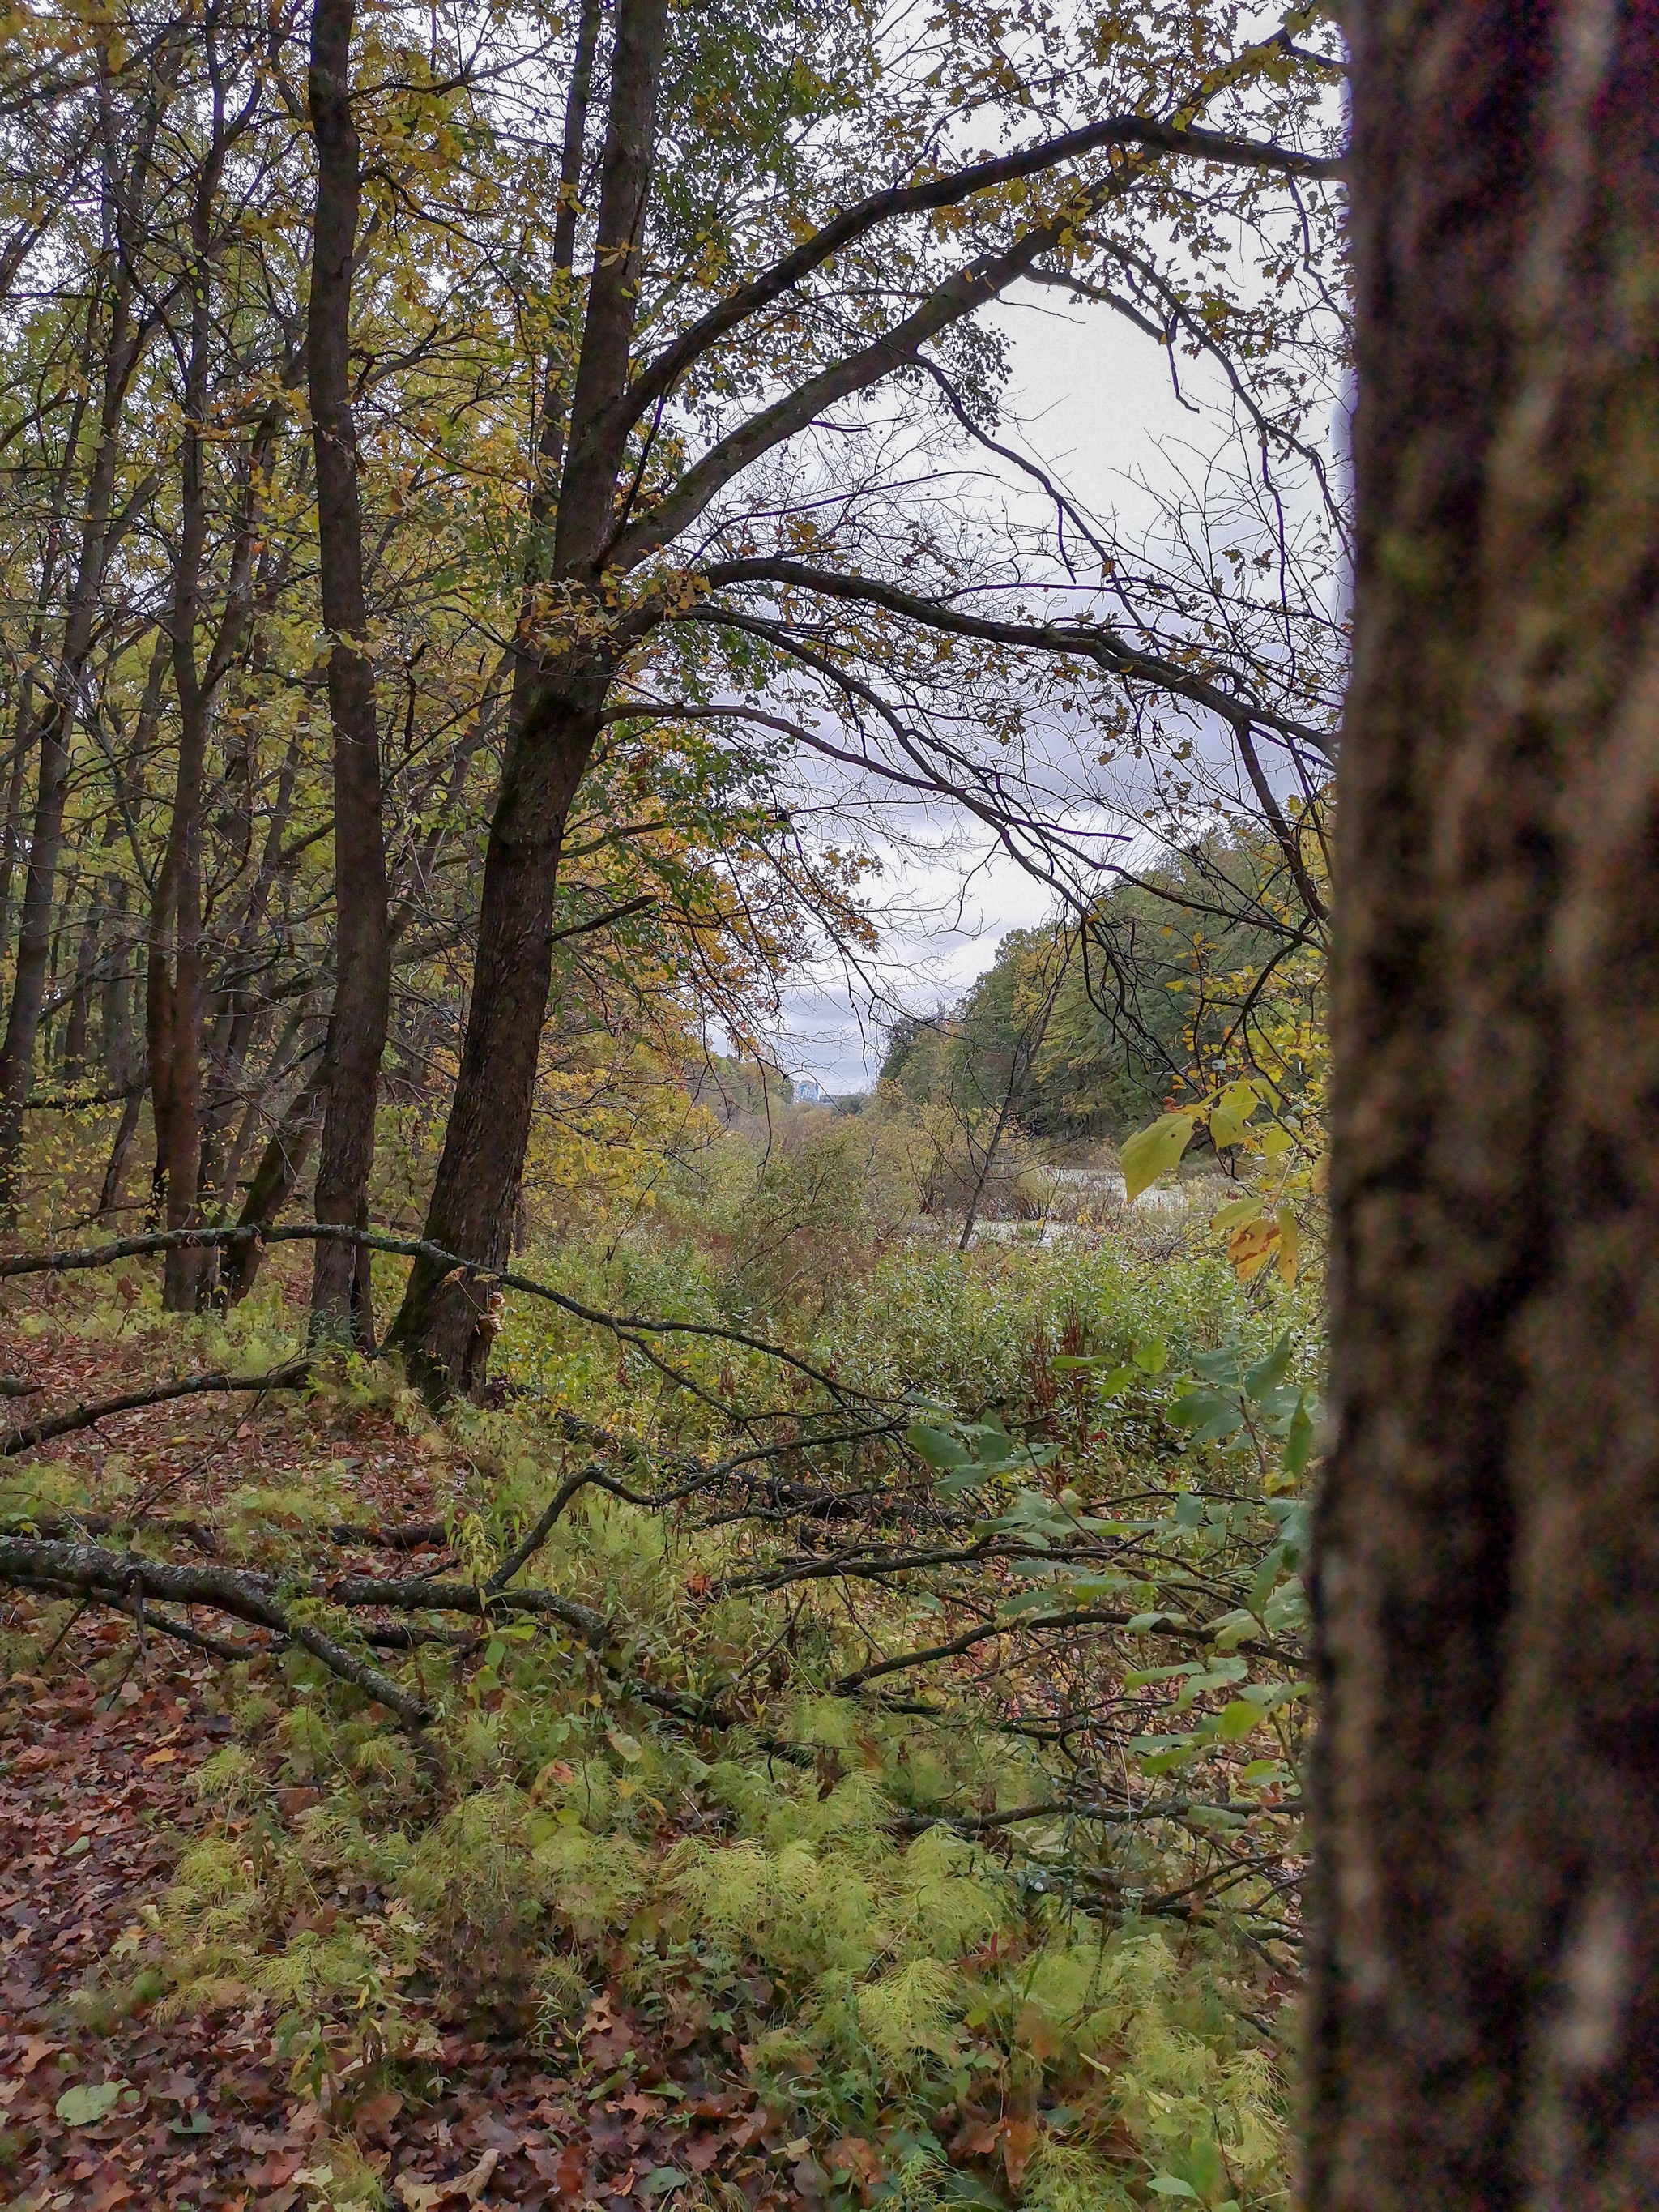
96, 1804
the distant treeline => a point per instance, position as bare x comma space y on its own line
1087, 1035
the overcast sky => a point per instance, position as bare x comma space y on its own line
1095, 398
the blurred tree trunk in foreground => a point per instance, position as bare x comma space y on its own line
1485, 1997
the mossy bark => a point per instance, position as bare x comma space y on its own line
1485, 1982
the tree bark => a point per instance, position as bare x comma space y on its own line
109, 1195
51, 746
281, 1166
1484, 2007
553, 722
357, 1025
475, 1196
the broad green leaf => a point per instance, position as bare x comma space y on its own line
660, 2180
1266, 1577
1202, 2160
88, 2103
1299, 1441
1237, 1719
1269, 1372
1167, 1761
1046, 1599
1167, 2184
968, 1476
935, 1446
1261, 1769
1220, 1366
1211, 1417
1233, 1628
1155, 1152
1152, 1356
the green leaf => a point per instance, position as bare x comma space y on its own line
660, 2180
1220, 1366
968, 1476
935, 1446
1237, 1719
1169, 2185
1163, 1754
1209, 1416
1152, 1356
1153, 1152
1270, 1371
1298, 1440
1046, 1599
88, 2103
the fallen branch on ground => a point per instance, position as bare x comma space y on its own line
192, 1386
108, 1577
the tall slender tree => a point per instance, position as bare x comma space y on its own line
1483, 2026
121, 323
358, 1024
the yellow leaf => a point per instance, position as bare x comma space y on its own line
1250, 1247
1234, 1215
1153, 1152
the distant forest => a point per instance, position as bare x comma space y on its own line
1091, 1036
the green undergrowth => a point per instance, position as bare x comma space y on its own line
812, 1894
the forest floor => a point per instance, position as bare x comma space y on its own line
636, 1884
97, 1803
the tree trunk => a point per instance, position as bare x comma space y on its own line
11, 835
552, 723
115, 1042
109, 1198
80, 1012
1484, 2007
357, 1025
281, 1166
172, 1000
475, 1196
116, 352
